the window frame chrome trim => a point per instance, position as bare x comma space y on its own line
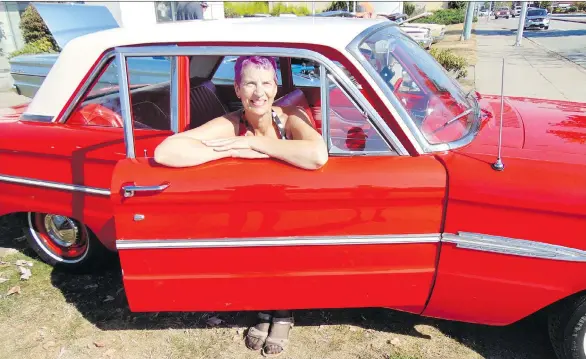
174, 50
35, 118
108, 55
55, 185
514, 246
277, 241
404, 119
325, 101
174, 98
126, 114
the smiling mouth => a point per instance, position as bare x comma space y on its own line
257, 103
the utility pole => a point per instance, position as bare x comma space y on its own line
521, 23
468, 22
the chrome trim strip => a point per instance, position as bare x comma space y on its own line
93, 75
55, 185
174, 95
37, 118
324, 93
125, 105
173, 50
277, 241
512, 246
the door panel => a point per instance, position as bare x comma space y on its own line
203, 232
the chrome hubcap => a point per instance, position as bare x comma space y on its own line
62, 230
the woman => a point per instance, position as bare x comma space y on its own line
259, 130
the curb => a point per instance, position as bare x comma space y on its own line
555, 53
567, 20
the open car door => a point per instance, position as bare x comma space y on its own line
362, 231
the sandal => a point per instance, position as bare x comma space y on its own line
255, 338
278, 342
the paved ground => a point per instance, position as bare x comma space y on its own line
548, 64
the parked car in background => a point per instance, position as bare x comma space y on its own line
420, 34
537, 19
516, 11
410, 211
437, 31
502, 12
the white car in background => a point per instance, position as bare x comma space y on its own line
420, 34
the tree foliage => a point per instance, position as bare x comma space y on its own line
409, 8
237, 9
280, 8
338, 5
457, 4
36, 34
33, 27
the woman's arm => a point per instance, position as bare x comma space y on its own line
307, 149
186, 149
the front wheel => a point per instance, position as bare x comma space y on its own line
63, 242
567, 328
547, 27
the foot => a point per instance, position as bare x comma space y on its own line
257, 335
279, 336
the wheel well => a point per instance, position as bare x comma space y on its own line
22, 219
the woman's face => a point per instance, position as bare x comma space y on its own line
257, 89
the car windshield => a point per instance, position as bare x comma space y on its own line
437, 105
536, 13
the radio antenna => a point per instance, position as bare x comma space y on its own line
498, 165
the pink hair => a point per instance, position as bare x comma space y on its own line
263, 62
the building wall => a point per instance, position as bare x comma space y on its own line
388, 7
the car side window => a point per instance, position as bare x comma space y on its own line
149, 81
350, 128
224, 74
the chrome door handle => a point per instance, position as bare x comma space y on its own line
129, 190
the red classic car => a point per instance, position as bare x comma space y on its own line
409, 213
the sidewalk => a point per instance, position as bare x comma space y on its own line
530, 70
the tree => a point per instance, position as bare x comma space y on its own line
457, 4
409, 8
33, 27
338, 5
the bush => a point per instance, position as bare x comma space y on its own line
37, 37
236, 9
409, 8
450, 61
457, 4
337, 5
572, 9
280, 8
33, 27
581, 5
444, 17
42, 46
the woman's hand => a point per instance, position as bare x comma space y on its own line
231, 143
240, 147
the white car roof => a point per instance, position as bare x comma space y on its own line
80, 54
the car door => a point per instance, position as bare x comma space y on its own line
235, 234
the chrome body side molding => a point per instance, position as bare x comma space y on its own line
512, 246
276, 241
55, 185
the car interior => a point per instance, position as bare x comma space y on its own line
211, 96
